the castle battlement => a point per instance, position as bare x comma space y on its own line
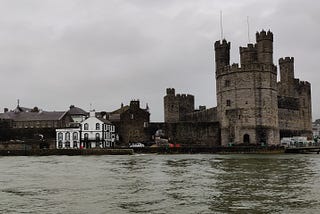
170, 91
263, 35
185, 96
247, 67
286, 60
304, 83
250, 48
223, 43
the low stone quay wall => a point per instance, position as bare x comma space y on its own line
211, 150
47, 152
147, 150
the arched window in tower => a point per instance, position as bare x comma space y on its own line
97, 126
228, 102
97, 136
86, 126
86, 136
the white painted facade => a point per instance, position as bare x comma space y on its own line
92, 133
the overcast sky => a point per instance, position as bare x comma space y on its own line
54, 53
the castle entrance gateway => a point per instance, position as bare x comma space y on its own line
246, 139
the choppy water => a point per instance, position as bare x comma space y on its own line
161, 184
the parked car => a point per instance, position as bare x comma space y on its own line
136, 145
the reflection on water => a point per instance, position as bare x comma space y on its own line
161, 184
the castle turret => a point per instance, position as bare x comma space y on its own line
248, 54
171, 106
222, 53
265, 47
287, 76
176, 106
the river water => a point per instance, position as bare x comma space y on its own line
161, 184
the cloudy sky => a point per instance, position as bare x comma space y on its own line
54, 53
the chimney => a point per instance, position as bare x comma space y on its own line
92, 113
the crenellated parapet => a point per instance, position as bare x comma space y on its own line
246, 68
263, 35
304, 87
286, 60
170, 91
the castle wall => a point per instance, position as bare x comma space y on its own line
190, 133
205, 115
294, 102
251, 106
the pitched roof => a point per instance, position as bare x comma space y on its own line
104, 121
21, 109
77, 111
33, 116
120, 110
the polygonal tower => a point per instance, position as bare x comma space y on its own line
247, 94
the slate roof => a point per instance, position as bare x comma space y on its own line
120, 110
104, 121
77, 111
33, 116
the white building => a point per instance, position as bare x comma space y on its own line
93, 133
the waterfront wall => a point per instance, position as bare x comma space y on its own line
189, 133
47, 152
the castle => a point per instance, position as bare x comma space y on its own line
252, 107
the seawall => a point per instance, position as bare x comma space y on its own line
71, 152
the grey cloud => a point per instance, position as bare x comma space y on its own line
57, 53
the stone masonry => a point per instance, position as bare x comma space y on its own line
252, 107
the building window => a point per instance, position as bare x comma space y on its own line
132, 117
97, 126
75, 144
86, 136
97, 136
227, 83
67, 136
86, 126
67, 144
112, 128
60, 144
145, 124
75, 136
228, 102
60, 136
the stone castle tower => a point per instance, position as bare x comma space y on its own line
294, 102
247, 104
252, 107
177, 105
